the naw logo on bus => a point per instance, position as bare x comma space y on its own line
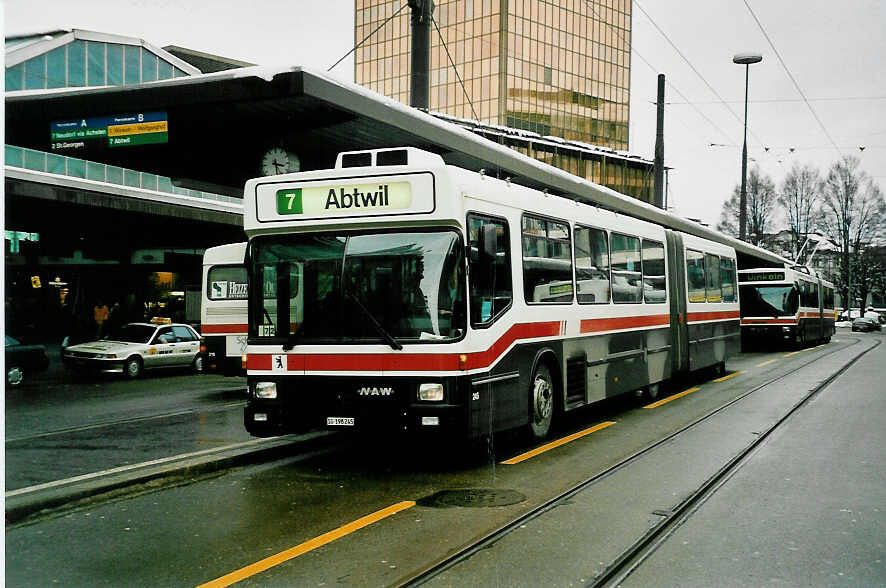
351, 199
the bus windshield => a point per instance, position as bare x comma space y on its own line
774, 301
357, 288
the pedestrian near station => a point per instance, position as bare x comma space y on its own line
100, 314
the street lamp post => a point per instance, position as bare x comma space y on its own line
745, 59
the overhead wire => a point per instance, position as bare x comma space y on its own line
357, 46
670, 84
793, 80
782, 100
694, 69
454, 68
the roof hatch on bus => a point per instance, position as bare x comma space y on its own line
388, 157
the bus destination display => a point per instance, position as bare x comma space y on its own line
763, 277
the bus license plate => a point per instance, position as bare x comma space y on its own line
340, 421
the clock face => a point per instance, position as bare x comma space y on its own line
277, 160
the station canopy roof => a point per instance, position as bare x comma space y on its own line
220, 124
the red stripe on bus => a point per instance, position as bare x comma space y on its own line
786, 321
410, 361
520, 331
233, 329
258, 362
631, 322
372, 362
768, 321
711, 316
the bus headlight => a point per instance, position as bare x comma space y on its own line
430, 392
266, 389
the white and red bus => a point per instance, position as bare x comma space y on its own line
433, 299
785, 305
223, 310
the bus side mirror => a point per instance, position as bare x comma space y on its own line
488, 242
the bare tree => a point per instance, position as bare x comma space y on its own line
761, 199
878, 271
798, 197
852, 214
868, 266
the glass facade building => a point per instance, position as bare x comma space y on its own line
550, 67
70, 59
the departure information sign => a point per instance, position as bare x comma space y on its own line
763, 277
119, 130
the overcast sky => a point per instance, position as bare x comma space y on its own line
831, 53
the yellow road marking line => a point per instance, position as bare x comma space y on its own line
307, 546
767, 362
792, 353
557, 443
671, 398
724, 378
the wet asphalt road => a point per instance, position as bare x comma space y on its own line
59, 427
213, 525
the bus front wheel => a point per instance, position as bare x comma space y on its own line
541, 399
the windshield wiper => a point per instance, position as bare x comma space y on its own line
293, 338
389, 339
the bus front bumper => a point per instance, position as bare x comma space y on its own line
303, 405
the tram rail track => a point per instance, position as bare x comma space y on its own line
126, 421
632, 557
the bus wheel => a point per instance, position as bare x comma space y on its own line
541, 398
651, 391
14, 375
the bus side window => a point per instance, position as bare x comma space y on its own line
712, 277
727, 278
547, 261
592, 265
627, 275
654, 279
491, 291
695, 275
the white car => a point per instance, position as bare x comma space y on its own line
135, 347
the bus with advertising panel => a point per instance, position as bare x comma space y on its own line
223, 310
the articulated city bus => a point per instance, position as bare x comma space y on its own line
223, 310
785, 305
397, 291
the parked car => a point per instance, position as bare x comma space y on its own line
134, 347
23, 359
866, 324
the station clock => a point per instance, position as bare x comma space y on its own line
278, 160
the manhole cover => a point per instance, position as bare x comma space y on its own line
472, 498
